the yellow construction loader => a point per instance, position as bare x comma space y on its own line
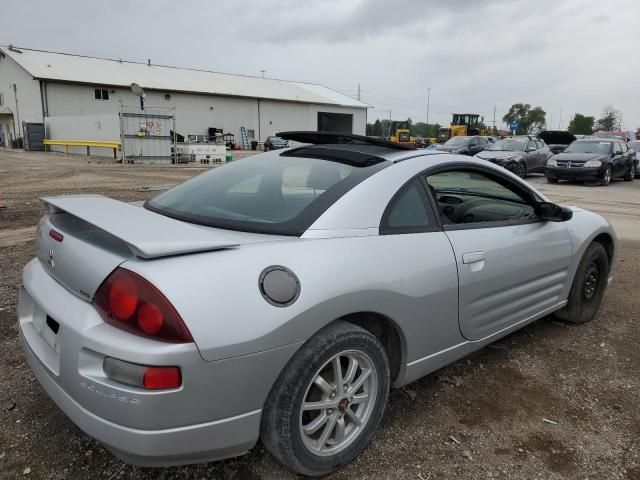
462, 124
400, 133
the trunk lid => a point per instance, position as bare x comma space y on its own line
99, 233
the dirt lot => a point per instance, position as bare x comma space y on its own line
493, 403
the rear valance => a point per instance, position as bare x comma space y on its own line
147, 234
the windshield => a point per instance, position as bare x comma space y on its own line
457, 142
283, 195
509, 145
589, 147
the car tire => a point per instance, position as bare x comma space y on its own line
588, 286
552, 180
521, 169
631, 173
293, 435
606, 177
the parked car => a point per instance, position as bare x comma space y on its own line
520, 155
464, 145
583, 136
557, 140
274, 142
595, 161
254, 301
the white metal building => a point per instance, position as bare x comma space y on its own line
80, 98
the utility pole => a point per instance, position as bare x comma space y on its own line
18, 133
358, 92
428, 103
560, 121
494, 119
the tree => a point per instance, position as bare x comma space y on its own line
375, 129
530, 120
581, 125
611, 119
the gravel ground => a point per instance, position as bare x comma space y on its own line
482, 417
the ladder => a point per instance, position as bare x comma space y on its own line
245, 139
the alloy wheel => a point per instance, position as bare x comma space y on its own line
338, 403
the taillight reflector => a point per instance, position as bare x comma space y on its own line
57, 236
161, 378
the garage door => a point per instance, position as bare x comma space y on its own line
335, 122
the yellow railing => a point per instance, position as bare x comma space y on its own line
85, 143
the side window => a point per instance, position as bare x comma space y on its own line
531, 145
625, 148
482, 142
540, 144
407, 212
617, 149
470, 197
101, 94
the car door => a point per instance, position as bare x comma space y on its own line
618, 159
626, 159
531, 155
512, 266
542, 155
481, 144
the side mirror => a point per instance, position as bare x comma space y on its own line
553, 213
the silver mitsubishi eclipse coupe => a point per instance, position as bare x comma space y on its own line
279, 297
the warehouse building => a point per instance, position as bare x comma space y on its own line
85, 98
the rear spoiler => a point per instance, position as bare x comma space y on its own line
146, 234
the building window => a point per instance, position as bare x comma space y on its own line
251, 134
101, 94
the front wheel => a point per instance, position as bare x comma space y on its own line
328, 401
588, 286
606, 176
552, 180
521, 169
631, 173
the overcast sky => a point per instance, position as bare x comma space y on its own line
563, 55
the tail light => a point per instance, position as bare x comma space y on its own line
141, 376
128, 301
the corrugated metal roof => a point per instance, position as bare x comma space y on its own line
99, 71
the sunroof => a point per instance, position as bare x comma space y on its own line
353, 155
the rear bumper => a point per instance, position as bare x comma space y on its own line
577, 173
153, 448
214, 414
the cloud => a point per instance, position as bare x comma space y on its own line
472, 54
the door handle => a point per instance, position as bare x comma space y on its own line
472, 257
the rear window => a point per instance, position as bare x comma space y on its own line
281, 195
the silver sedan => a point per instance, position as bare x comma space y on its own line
281, 296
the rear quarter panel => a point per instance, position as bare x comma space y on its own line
411, 279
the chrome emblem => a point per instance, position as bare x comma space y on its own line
50, 261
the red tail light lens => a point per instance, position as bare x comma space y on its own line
128, 301
161, 378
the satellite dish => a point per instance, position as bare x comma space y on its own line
137, 90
